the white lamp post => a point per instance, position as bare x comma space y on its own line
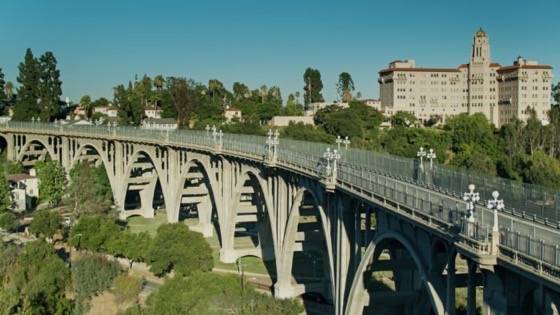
207, 130
471, 198
275, 142
431, 155
346, 142
269, 141
214, 133
421, 154
338, 142
495, 205
328, 156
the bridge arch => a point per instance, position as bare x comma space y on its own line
358, 292
249, 219
144, 186
293, 242
24, 150
207, 209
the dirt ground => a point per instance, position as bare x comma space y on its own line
105, 304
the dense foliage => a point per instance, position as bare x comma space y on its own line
179, 249
45, 223
34, 280
210, 293
89, 192
52, 181
93, 274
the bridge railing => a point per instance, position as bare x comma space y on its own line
527, 201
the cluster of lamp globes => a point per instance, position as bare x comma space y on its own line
472, 197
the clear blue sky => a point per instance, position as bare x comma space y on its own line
102, 43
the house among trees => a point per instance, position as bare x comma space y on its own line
151, 111
159, 123
110, 111
232, 114
24, 189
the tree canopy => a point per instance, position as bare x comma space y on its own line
177, 248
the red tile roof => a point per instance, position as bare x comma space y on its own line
418, 70
531, 67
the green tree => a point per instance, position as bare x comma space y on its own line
41, 279
345, 87
5, 198
403, 119
94, 233
28, 91
130, 110
541, 169
3, 96
556, 93
216, 88
313, 86
300, 131
210, 293
144, 89
182, 98
89, 191
533, 133
45, 223
52, 181
177, 248
50, 88
8, 221
93, 274
134, 246
9, 90
86, 104
240, 91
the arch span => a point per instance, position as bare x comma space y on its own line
357, 296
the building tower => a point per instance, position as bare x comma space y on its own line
481, 80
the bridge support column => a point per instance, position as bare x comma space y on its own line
342, 253
494, 301
450, 290
204, 226
471, 287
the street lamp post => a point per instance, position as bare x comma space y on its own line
431, 155
269, 142
346, 142
338, 142
207, 130
495, 205
275, 143
328, 155
214, 134
471, 198
421, 154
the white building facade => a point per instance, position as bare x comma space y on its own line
481, 86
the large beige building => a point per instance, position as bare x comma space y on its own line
481, 86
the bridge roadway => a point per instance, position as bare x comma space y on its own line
359, 207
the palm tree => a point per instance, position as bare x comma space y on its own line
159, 82
9, 89
263, 93
215, 87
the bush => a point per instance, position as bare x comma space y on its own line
92, 274
8, 221
127, 288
